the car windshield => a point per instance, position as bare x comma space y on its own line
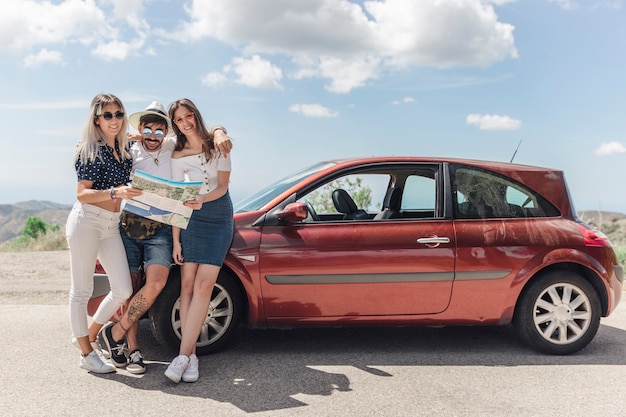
257, 200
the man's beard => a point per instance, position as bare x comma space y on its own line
152, 145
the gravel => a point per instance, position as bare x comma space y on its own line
34, 277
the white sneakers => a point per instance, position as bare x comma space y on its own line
94, 363
94, 345
176, 369
191, 374
183, 367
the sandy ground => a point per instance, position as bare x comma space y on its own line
34, 277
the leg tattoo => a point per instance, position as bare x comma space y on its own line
138, 306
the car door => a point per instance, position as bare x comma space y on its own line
365, 267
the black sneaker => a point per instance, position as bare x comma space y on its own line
135, 363
115, 349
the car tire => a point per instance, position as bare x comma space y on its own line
559, 313
219, 330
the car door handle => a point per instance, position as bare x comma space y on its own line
433, 242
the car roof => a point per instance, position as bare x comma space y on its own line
548, 182
490, 165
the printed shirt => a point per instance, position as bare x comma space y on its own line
105, 171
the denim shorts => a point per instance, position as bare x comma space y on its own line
155, 250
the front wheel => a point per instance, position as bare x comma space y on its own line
559, 313
221, 326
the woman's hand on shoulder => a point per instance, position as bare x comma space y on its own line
222, 142
134, 137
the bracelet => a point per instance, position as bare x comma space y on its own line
112, 193
176, 243
223, 129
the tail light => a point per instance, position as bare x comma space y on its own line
593, 237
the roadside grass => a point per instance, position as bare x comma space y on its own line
50, 241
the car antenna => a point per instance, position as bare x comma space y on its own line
514, 153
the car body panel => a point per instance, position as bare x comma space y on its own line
331, 263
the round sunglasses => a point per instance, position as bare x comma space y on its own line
158, 133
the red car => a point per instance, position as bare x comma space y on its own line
409, 241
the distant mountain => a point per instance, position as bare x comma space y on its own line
13, 216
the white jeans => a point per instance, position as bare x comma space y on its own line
93, 233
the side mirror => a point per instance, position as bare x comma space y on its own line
293, 213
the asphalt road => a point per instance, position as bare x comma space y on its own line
380, 372
317, 372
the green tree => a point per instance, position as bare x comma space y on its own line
322, 200
35, 227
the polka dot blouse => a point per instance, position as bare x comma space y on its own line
105, 172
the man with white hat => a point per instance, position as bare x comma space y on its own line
148, 243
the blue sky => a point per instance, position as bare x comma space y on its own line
296, 82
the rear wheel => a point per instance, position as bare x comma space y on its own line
221, 326
559, 313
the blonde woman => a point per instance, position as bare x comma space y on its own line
103, 166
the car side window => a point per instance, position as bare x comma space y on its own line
351, 197
482, 195
419, 196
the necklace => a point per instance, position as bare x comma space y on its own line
156, 160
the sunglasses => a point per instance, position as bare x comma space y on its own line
158, 133
188, 117
119, 115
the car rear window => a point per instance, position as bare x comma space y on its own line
481, 194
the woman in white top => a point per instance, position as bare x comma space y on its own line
200, 249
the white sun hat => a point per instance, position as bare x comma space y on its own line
154, 108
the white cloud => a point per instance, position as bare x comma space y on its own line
610, 148
255, 72
124, 9
440, 34
214, 79
493, 122
348, 44
313, 110
27, 23
343, 75
405, 100
117, 50
42, 57
565, 4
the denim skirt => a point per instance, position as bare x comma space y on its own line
208, 235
